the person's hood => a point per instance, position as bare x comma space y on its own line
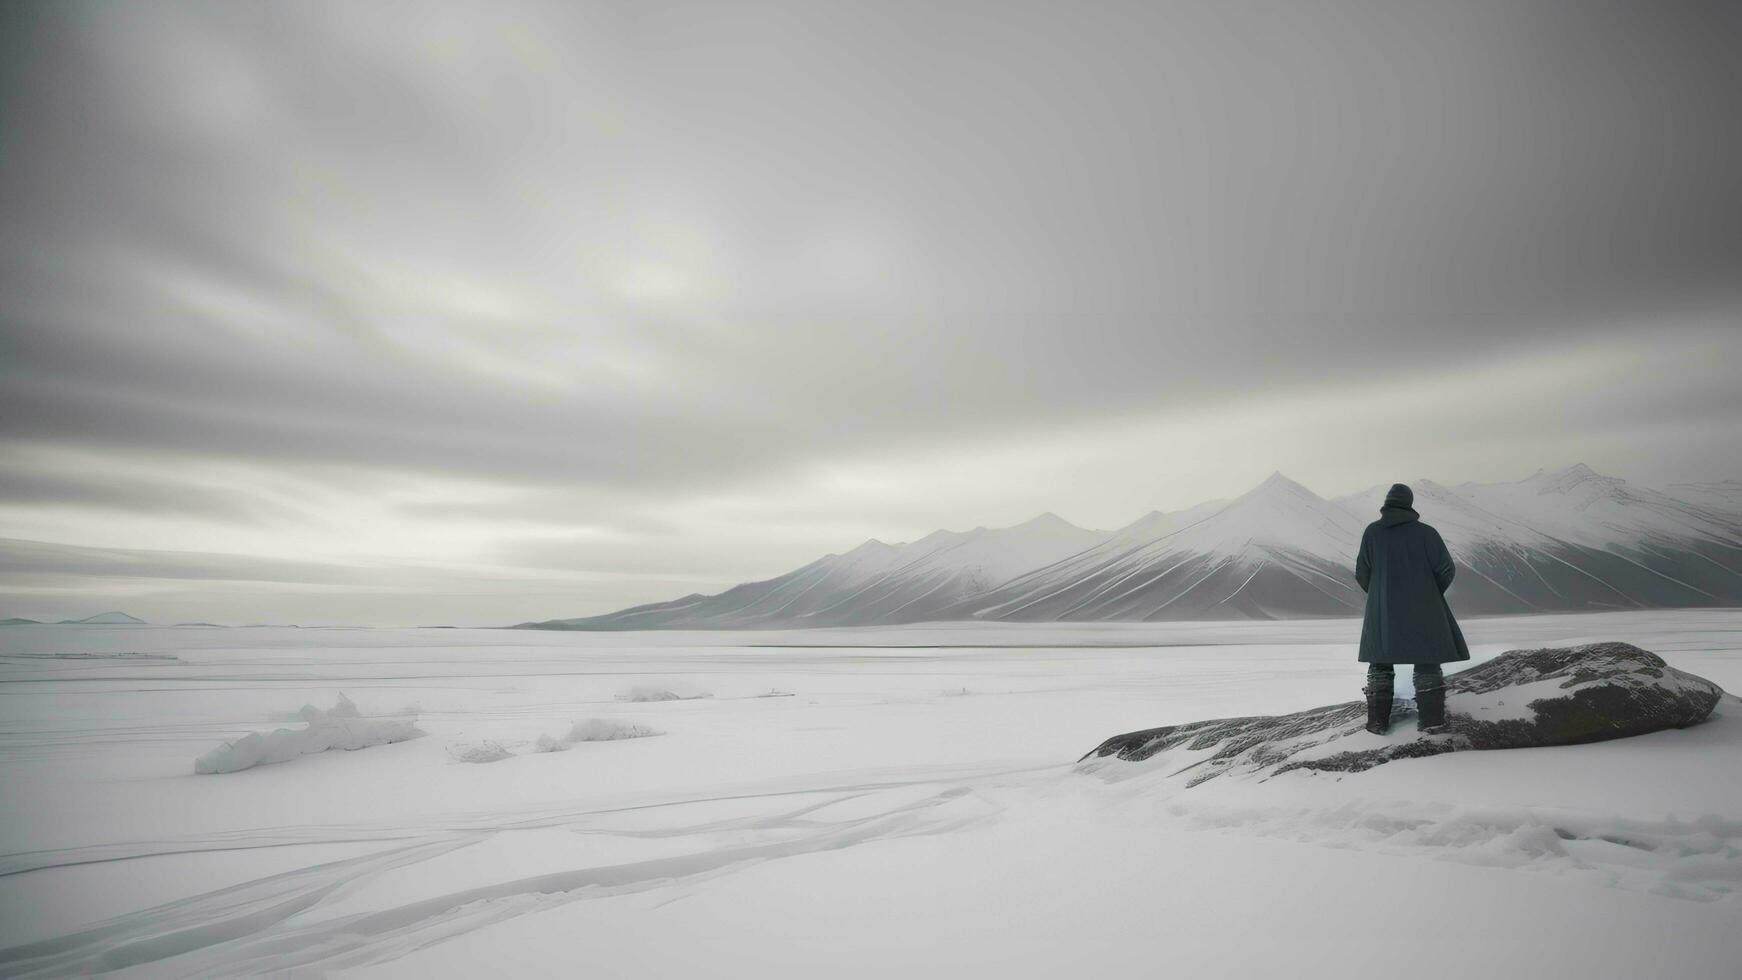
1393, 516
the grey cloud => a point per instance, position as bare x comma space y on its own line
634, 252
22, 562
110, 492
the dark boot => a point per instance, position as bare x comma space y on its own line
1430, 706
1378, 706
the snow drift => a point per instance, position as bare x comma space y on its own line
340, 727
594, 730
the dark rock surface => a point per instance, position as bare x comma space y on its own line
1520, 699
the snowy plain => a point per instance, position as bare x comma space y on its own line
841, 802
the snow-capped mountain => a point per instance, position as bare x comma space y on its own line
1562, 540
1575, 539
873, 583
1723, 498
1278, 550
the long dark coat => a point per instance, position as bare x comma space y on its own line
1405, 569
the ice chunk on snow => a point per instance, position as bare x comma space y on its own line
594, 730
339, 727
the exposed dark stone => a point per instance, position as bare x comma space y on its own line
1605, 690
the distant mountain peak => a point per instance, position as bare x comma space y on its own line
1047, 521
1277, 478
111, 618
1573, 478
1278, 514
1277, 487
1570, 476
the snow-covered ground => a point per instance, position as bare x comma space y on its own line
915, 805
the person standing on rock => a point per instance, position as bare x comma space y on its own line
1405, 569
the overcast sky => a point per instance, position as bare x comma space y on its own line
396, 313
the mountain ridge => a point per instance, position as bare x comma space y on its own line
1560, 540
873, 582
111, 618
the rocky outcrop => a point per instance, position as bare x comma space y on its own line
1520, 699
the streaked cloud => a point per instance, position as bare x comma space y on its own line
603, 298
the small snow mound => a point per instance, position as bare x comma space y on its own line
340, 727
478, 752
648, 692
594, 730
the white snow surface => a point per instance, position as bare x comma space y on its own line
868, 825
